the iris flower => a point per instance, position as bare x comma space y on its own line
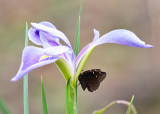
48, 36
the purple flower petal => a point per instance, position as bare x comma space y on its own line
54, 33
53, 51
69, 57
120, 36
34, 34
124, 37
31, 59
48, 41
48, 24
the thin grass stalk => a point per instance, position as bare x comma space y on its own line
25, 80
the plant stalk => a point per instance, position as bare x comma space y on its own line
25, 80
71, 99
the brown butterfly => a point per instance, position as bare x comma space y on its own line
91, 79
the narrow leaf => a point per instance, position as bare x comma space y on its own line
3, 108
77, 38
44, 102
130, 104
25, 80
76, 49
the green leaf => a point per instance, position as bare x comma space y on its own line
130, 104
25, 80
76, 49
3, 108
77, 38
44, 102
71, 106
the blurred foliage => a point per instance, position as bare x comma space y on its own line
3, 108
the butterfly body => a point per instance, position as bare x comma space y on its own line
91, 79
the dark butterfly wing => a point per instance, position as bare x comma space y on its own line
93, 84
83, 81
91, 79
84, 78
101, 76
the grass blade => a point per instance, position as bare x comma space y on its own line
76, 45
130, 104
77, 38
25, 80
44, 102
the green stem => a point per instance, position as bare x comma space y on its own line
71, 103
25, 80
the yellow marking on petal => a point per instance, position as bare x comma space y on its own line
43, 57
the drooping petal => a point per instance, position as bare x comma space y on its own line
54, 33
34, 57
124, 37
119, 36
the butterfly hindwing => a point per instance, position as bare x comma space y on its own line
83, 82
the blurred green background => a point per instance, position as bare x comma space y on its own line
130, 71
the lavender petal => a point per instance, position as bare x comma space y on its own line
48, 24
124, 37
34, 36
31, 60
52, 32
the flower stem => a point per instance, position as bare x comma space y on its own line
71, 99
25, 80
